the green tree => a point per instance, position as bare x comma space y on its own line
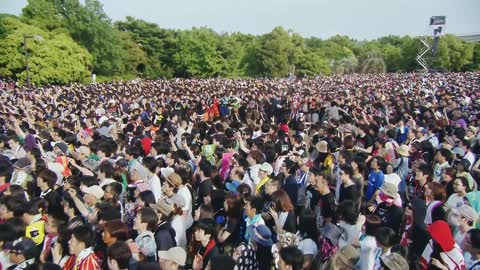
56, 59
197, 54
135, 59
453, 53
232, 50
275, 53
475, 64
410, 49
311, 63
43, 14
90, 27
344, 65
393, 57
160, 45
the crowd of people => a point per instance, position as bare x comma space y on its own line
360, 171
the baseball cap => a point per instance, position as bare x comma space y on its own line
261, 234
83, 150
94, 190
175, 254
462, 211
473, 129
24, 246
266, 168
232, 187
62, 146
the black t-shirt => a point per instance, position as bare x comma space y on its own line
233, 227
348, 193
390, 216
327, 206
311, 197
203, 190
364, 142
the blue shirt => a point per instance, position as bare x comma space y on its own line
375, 181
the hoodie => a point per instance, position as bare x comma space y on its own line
442, 247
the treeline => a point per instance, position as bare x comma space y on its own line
78, 40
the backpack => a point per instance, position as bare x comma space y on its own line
327, 249
328, 241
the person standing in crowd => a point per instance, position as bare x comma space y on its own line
441, 159
261, 241
204, 233
327, 205
253, 208
390, 214
118, 256
80, 245
164, 233
348, 189
204, 185
375, 178
290, 259
471, 246
460, 187
145, 223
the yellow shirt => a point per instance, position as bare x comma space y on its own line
36, 231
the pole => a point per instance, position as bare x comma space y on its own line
26, 59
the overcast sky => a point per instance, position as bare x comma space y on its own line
360, 19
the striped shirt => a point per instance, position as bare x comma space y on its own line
87, 260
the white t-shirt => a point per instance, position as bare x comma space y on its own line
251, 178
308, 247
185, 193
156, 187
178, 224
368, 246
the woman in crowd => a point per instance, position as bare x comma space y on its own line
282, 212
460, 187
229, 236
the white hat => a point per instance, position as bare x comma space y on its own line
403, 150
266, 167
94, 190
166, 172
58, 169
175, 254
